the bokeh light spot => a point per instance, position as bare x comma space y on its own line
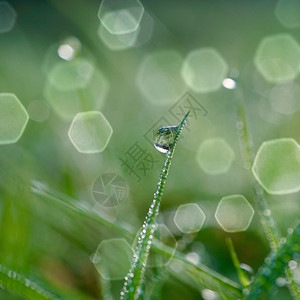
229, 83
7, 17
277, 166
278, 58
67, 103
117, 42
13, 118
284, 98
90, 132
159, 79
215, 156
120, 16
71, 75
287, 13
189, 218
234, 213
112, 258
204, 70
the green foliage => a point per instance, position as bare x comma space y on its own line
33, 289
275, 265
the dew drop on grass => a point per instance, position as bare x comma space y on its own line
164, 138
246, 268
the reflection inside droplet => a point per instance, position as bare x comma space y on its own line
164, 138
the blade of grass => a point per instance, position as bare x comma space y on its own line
266, 219
132, 285
243, 279
245, 141
32, 288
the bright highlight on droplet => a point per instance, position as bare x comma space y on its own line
229, 84
278, 57
90, 132
158, 77
13, 118
234, 213
215, 156
112, 258
120, 16
7, 17
277, 166
189, 218
287, 13
204, 70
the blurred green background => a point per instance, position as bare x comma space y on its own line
137, 77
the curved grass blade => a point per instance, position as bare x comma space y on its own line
197, 272
133, 280
33, 289
277, 263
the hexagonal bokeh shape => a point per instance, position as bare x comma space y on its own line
112, 258
288, 91
215, 156
189, 218
204, 70
7, 17
13, 118
234, 213
67, 103
90, 132
117, 42
71, 75
277, 166
287, 13
162, 236
278, 57
121, 16
158, 77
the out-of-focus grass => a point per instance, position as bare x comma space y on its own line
52, 242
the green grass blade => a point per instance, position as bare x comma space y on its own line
133, 280
277, 263
267, 220
245, 141
31, 288
242, 277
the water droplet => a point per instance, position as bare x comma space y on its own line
164, 138
293, 264
280, 282
246, 268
